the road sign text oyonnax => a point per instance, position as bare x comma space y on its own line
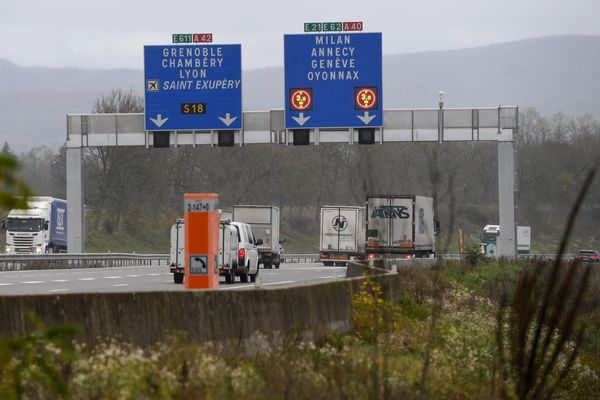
332, 59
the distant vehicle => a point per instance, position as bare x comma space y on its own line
41, 228
229, 253
489, 240
400, 226
265, 225
247, 252
176, 263
588, 256
342, 235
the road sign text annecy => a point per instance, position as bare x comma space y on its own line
333, 80
193, 87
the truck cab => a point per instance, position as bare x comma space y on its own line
41, 228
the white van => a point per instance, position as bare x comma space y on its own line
247, 252
228, 251
229, 245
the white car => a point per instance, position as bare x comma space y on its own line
247, 253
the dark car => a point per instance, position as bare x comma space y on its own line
587, 256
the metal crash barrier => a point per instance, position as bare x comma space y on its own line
72, 261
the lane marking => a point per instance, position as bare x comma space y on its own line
327, 277
132, 276
112, 277
59, 290
121, 284
6, 284
278, 283
152, 274
33, 282
234, 287
86, 279
60, 280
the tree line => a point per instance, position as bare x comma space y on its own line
137, 192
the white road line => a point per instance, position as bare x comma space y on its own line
86, 279
6, 284
278, 283
327, 277
273, 273
60, 280
234, 287
121, 284
152, 274
33, 282
132, 276
112, 277
59, 290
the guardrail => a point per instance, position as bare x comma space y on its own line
10, 262
300, 258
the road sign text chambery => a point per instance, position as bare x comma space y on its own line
192, 64
332, 58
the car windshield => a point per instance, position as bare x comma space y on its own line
24, 225
587, 252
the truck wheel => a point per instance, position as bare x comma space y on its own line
277, 265
253, 277
178, 277
230, 277
268, 264
244, 277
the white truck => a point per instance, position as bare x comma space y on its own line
265, 224
400, 226
489, 240
41, 228
342, 234
228, 251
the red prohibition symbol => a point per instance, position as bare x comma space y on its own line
365, 98
301, 99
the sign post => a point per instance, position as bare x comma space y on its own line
201, 246
333, 80
193, 87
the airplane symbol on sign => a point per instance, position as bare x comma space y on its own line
152, 85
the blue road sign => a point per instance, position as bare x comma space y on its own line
333, 80
193, 87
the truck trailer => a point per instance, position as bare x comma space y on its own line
41, 228
265, 224
489, 240
342, 234
400, 226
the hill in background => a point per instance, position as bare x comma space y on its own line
551, 74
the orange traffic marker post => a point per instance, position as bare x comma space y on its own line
201, 246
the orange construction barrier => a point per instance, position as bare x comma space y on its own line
201, 247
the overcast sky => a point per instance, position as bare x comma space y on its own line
112, 33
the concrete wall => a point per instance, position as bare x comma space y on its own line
147, 317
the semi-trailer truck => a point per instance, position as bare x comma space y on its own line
41, 228
489, 240
265, 224
400, 226
342, 234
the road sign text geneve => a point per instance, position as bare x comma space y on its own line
193, 87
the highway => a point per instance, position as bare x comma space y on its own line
149, 278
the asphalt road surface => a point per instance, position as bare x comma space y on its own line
138, 279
